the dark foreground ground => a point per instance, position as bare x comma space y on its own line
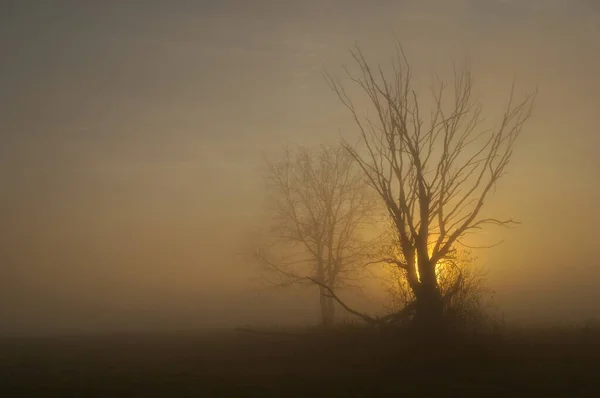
334, 364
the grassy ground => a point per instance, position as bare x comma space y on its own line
334, 364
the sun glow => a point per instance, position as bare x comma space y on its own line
438, 268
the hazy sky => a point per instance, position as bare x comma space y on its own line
131, 134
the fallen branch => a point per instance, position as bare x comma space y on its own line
331, 293
398, 316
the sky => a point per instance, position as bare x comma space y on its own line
131, 135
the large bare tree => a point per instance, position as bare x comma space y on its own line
321, 207
432, 162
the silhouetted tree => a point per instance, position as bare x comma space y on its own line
433, 169
320, 204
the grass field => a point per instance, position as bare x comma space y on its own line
332, 364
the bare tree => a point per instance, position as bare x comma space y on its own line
433, 173
321, 205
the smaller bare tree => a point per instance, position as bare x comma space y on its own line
321, 208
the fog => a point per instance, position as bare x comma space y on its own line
131, 140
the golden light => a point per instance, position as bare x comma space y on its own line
438, 267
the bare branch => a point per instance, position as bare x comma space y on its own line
330, 292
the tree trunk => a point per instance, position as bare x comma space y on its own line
324, 301
331, 309
429, 312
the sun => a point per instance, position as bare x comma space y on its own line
439, 269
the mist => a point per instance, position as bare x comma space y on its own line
131, 139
